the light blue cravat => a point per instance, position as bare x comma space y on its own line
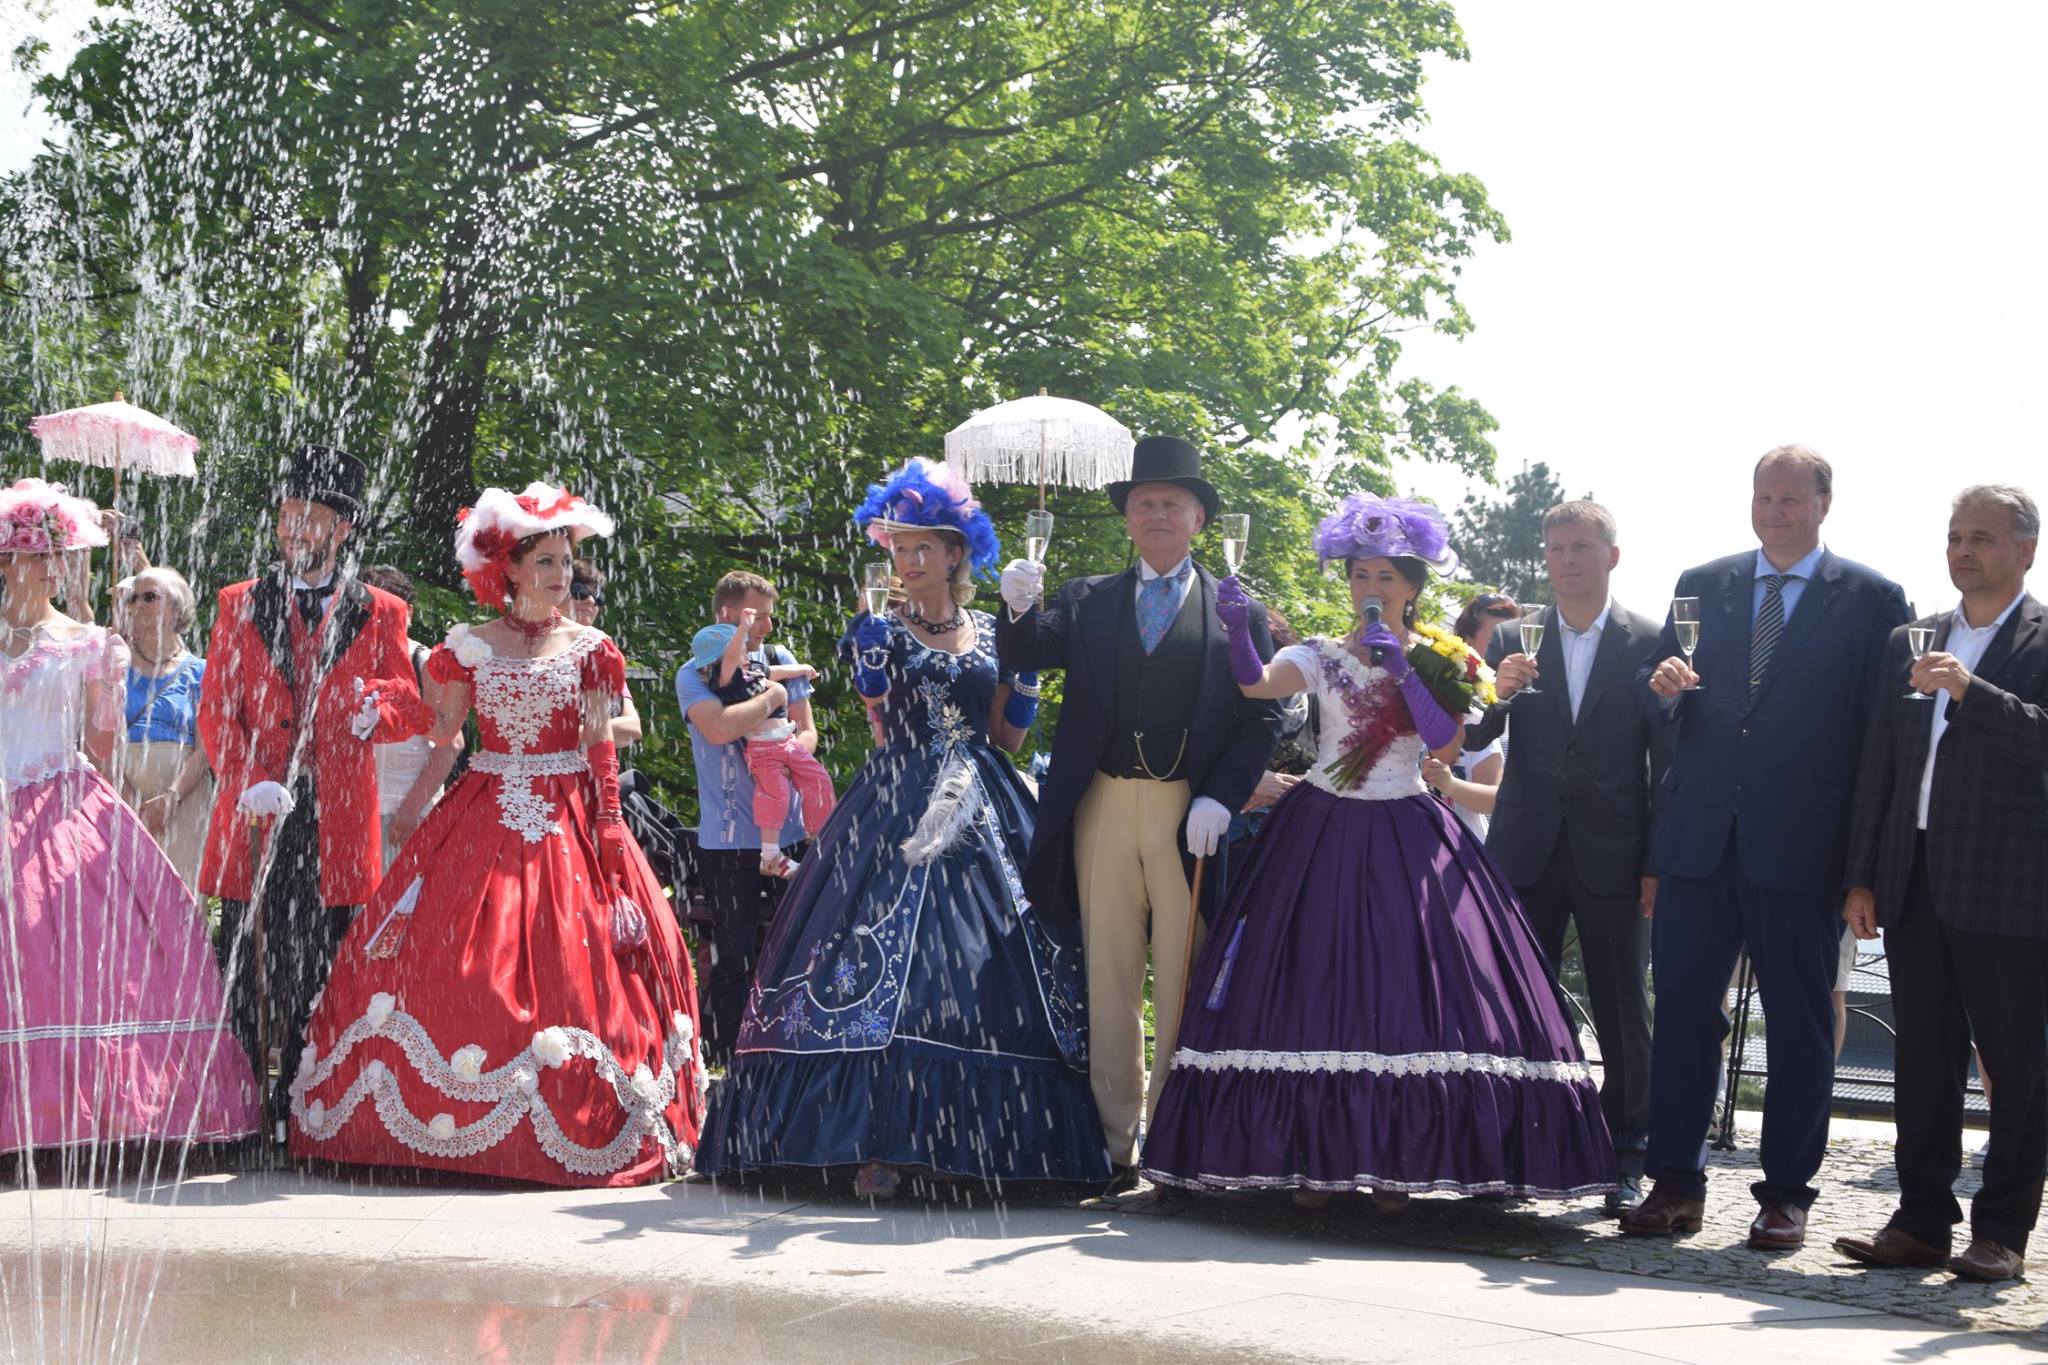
1158, 603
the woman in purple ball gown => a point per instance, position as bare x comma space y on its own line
1372, 1010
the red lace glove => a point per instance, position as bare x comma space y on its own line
612, 838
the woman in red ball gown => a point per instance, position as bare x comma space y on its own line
515, 1001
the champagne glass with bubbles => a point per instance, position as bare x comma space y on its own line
874, 587
1918, 640
1236, 528
1532, 638
1037, 534
1685, 623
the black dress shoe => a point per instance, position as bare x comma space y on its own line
1627, 1199
1122, 1180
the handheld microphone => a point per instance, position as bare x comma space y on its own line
1373, 607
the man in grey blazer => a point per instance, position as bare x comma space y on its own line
1571, 823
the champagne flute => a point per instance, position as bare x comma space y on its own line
1918, 640
1685, 623
1037, 534
874, 587
1237, 534
1532, 638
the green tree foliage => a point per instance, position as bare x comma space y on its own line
1500, 538
720, 264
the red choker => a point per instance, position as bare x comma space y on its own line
534, 630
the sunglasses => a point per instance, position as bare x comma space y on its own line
149, 595
1497, 603
590, 595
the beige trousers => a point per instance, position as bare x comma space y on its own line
1127, 860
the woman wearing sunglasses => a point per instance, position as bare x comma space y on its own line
162, 770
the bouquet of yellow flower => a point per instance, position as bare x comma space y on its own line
1453, 671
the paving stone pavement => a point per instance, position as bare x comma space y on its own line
1858, 1191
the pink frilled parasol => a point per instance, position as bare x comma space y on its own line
116, 436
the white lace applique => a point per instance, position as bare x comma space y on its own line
520, 697
513, 1091
1395, 774
1388, 1064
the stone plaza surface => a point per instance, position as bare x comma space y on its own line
287, 1266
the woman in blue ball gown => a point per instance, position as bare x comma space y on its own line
911, 1010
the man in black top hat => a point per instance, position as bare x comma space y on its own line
307, 671
1155, 749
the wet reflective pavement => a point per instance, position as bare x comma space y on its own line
286, 1266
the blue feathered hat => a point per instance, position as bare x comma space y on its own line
925, 495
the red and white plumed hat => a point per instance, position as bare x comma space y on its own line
492, 529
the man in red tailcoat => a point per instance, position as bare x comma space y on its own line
306, 672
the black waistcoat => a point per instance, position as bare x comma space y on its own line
1155, 693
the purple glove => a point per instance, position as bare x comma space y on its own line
1233, 607
1436, 725
1393, 654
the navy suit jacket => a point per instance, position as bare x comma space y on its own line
1777, 771
1230, 739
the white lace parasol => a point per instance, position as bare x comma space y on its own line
1041, 440
119, 436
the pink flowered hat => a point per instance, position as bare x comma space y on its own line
38, 518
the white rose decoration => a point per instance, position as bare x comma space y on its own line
381, 1005
309, 1059
443, 1127
375, 1072
644, 1087
468, 1062
316, 1114
684, 1029
551, 1047
526, 1080
469, 648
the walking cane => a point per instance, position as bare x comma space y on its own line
1187, 971
260, 850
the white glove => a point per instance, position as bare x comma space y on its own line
115, 660
364, 723
1023, 581
1208, 822
268, 799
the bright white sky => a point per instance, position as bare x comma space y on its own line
1744, 224
1733, 226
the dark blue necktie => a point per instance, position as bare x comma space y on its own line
1770, 625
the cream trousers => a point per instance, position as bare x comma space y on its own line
1133, 885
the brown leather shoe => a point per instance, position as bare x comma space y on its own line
1988, 1260
1778, 1227
1893, 1248
1663, 1214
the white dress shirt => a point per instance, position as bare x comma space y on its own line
1579, 648
1146, 573
1967, 643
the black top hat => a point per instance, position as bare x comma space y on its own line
1167, 459
327, 475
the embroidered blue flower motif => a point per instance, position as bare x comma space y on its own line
843, 977
869, 1026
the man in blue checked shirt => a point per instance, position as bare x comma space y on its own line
728, 841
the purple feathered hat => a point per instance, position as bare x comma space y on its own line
1366, 527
